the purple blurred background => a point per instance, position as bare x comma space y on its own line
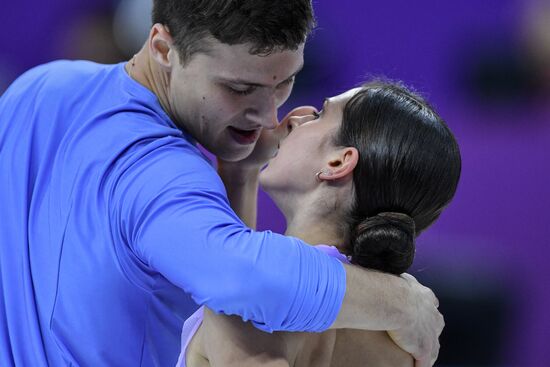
485, 65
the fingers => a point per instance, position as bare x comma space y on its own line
414, 282
427, 347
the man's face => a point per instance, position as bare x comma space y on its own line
225, 97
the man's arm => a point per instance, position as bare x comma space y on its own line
170, 210
172, 213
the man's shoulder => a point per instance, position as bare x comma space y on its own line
168, 162
61, 70
61, 76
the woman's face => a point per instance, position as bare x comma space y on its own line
306, 148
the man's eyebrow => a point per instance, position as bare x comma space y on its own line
252, 84
293, 74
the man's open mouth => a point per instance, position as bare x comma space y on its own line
244, 137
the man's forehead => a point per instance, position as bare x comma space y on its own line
235, 62
220, 49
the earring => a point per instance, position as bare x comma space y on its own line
323, 171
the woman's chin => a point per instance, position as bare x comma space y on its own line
269, 183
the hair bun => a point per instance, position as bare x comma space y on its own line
385, 242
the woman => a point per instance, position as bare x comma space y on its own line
365, 176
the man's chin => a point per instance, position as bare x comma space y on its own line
235, 155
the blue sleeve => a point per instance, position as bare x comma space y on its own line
177, 220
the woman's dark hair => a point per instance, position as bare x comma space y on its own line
408, 171
266, 24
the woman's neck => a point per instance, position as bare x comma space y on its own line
314, 230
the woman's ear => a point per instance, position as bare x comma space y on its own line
341, 165
160, 45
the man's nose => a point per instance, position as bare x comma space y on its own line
265, 115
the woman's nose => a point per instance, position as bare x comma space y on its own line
295, 121
296, 117
301, 111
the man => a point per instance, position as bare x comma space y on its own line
111, 217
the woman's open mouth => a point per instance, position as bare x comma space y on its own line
244, 137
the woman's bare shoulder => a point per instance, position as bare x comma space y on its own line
368, 348
228, 341
194, 355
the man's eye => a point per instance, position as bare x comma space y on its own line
286, 83
241, 92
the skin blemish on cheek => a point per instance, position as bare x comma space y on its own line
274, 77
203, 98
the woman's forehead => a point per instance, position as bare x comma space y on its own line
341, 99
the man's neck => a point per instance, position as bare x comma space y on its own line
143, 69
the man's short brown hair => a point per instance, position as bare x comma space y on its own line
268, 25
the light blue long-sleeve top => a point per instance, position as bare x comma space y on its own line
112, 223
